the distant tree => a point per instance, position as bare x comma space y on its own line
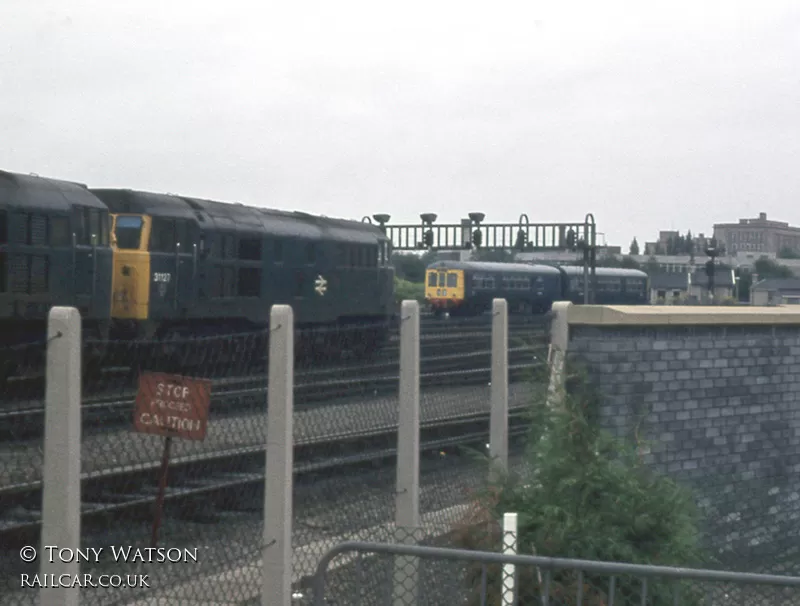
625, 262
788, 253
609, 261
409, 267
629, 263
744, 284
634, 249
651, 266
429, 257
767, 268
497, 256
690, 245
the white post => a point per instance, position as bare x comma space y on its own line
557, 356
405, 586
276, 589
498, 420
61, 474
509, 548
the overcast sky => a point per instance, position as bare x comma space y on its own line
651, 118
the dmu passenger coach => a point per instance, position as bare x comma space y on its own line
465, 288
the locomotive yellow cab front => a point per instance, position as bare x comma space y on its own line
444, 289
131, 278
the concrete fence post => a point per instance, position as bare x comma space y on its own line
559, 343
498, 420
276, 589
405, 583
509, 587
61, 474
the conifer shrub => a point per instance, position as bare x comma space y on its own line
585, 494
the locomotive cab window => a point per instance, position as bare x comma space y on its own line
81, 226
182, 237
452, 280
128, 232
105, 229
94, 227
442, 279
432, 278
162, 236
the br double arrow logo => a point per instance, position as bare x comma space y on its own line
320, 285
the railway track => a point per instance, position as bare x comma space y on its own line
116, 363
439, 352
250, 394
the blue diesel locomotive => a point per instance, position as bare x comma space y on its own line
143, 265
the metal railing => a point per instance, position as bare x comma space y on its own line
486, 578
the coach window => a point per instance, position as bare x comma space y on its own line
432, 279
311, 253
277, 251
341, 255
3, 227
452, 280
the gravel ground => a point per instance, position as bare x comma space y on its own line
327, 512
21, 462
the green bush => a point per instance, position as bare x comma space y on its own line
588, 496
405, 290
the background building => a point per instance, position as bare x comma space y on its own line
775, 291
758, 235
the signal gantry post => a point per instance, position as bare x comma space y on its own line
474, 234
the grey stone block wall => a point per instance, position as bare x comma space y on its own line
719, 409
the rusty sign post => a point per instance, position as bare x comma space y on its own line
174, 407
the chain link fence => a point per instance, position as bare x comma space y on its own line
21, 456
425, 575
209, 537
351, 492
